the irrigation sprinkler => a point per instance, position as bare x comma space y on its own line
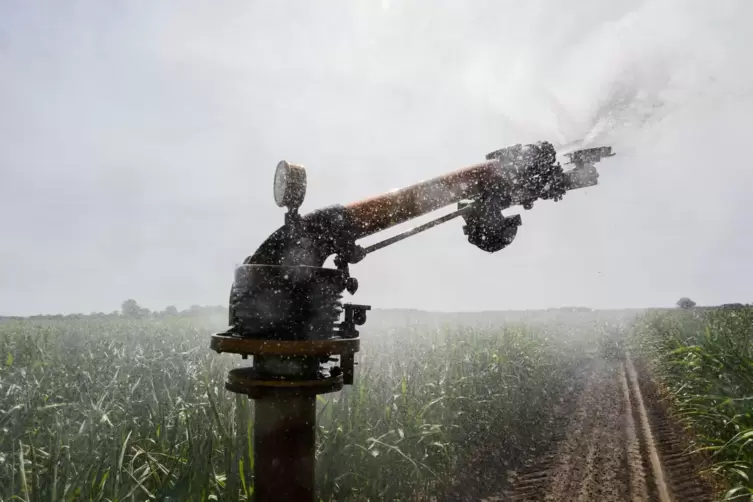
286, 308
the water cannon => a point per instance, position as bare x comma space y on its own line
286, 309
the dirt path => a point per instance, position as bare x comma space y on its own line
618, 445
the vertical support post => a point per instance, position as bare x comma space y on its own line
284, 381
284, 448
347, 364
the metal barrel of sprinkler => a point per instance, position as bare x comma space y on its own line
286, 310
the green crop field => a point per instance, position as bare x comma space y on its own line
113, 409
705, 360
117, 409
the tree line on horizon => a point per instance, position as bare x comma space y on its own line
130, 309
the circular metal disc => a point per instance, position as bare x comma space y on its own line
289, 185
281, 183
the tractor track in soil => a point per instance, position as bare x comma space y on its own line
617, 443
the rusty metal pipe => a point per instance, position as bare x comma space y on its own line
503, 180
284, 448
375, 214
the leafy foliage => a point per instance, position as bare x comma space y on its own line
706, 361
685, 303
134, 409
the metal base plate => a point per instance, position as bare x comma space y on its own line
222, 342
248, 381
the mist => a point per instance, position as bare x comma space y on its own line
138, 142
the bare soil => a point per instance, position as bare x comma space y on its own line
611, 442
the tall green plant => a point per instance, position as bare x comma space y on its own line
706, 361
134, 409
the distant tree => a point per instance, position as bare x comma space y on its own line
171, 310
733, 306
685, 303
131, 309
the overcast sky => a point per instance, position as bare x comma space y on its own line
138, 142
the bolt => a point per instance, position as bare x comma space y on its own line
351, 284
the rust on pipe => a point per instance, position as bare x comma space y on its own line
379, 213
284, 449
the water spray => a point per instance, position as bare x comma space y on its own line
286, 308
